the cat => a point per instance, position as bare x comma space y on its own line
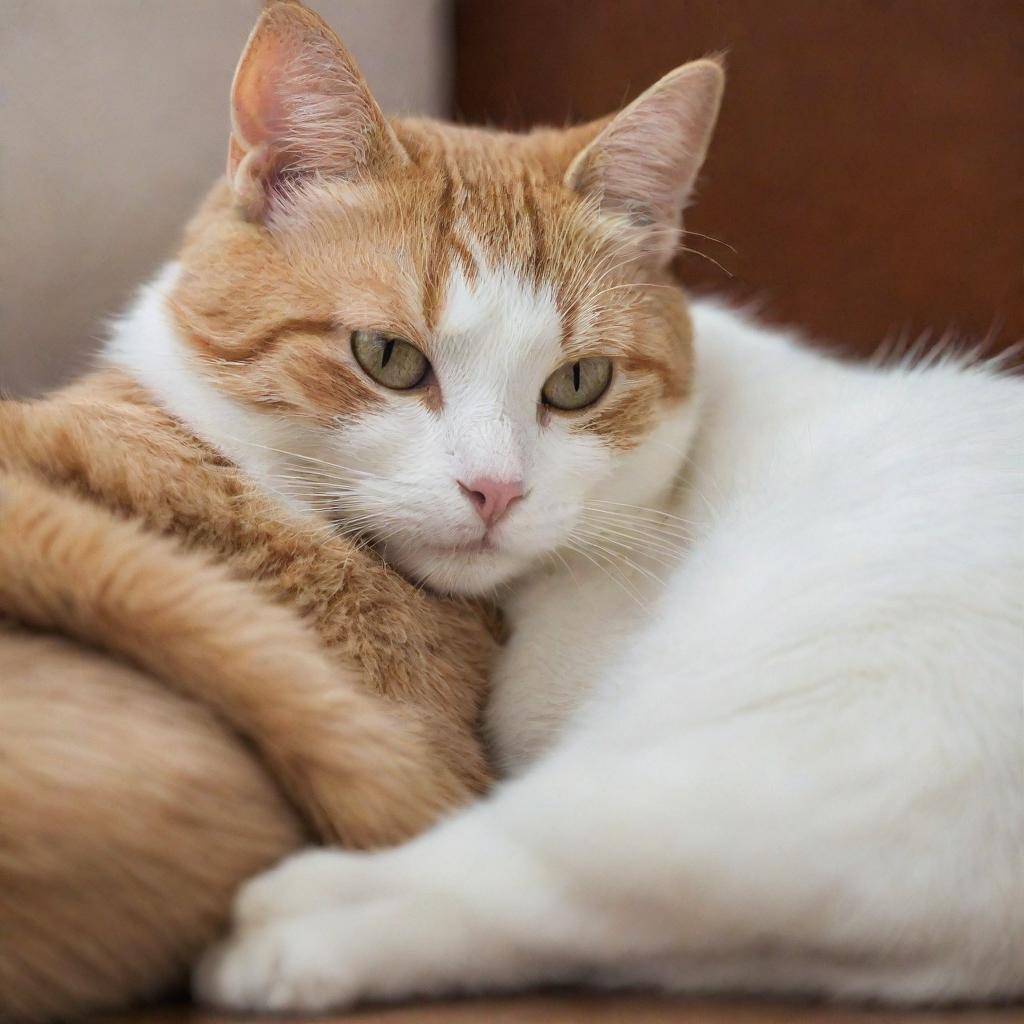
759, 714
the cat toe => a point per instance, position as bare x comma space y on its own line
287, 967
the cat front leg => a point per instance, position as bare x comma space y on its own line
737, 857
463, 907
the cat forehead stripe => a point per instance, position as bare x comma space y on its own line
499, 306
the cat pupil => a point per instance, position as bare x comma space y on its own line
389, 347
576, 376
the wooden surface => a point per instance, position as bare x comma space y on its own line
869, 164
603, 1009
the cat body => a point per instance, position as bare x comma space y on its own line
760, 706
796, 766
806, 747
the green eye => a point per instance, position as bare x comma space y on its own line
577, 385
389, 361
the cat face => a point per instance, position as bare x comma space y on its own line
462, 344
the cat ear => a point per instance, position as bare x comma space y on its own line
643, 164
299, 105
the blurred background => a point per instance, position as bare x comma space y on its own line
866, 183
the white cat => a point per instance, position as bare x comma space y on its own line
761, 709
797, 766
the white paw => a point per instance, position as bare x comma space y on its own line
301, 884
326, 929
290, 966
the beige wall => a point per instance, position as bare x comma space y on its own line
113, 121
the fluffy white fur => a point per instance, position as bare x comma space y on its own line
145, 344
765, 734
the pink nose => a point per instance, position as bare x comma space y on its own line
492, 498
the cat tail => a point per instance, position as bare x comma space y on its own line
359, 769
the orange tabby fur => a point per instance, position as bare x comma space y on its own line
98, 767
266, 312
130, 815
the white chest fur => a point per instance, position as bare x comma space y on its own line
566, 626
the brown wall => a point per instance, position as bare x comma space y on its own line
869, 167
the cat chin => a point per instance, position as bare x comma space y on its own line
466, 574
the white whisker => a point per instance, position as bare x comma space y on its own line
641, 508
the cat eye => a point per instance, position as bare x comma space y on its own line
577, 385
392, 362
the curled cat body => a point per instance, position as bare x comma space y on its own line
760, 713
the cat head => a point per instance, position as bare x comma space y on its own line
464, 344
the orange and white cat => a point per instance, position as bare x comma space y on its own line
760, 713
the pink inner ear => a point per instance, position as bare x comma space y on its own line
643, 164
299, 106
647, 173
259, 113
